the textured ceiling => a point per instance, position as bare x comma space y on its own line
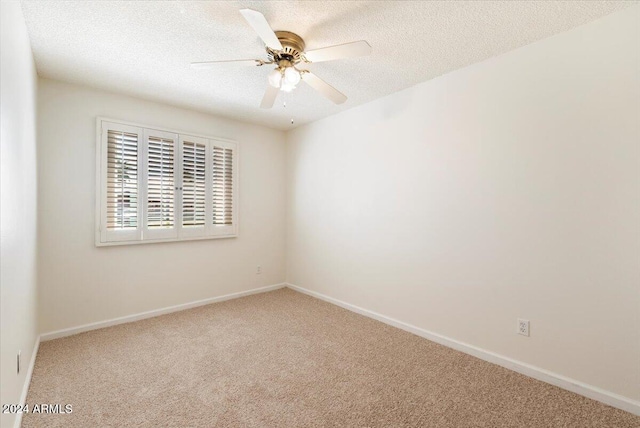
143, 48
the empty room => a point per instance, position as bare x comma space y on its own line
320, 214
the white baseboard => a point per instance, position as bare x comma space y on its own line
543, 375
154, 313
27, 382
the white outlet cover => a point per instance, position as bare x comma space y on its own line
523, 327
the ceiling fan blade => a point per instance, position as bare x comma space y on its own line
259, 23
347, 50
324, 88
211, 64
269, 97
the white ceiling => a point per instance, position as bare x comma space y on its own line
143, 48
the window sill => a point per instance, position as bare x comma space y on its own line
155, 241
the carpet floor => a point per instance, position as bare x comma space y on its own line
284, 359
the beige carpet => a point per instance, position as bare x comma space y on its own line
283, 359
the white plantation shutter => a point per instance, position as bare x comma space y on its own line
223, 185
161, 187
194, 185
121, 211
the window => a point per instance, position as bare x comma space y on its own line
157, 185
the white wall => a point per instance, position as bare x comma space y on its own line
506, 189
17, 203
79, 283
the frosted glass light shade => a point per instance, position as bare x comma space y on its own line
286, 87
291, 76
275, 78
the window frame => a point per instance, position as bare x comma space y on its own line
181, 233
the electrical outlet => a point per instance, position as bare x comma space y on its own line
258, 270
18, 362
523, 327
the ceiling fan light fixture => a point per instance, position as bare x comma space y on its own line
275, 78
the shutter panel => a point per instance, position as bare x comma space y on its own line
194, 187
160, 175
121, 186
122, 180
223, 188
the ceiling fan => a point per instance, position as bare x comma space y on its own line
286, 50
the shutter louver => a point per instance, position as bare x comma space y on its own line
193, 184
160, 183
122, 181
222, 186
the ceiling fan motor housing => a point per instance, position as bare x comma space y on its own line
293, 47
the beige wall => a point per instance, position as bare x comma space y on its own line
79, 283
508, 189
17, 204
